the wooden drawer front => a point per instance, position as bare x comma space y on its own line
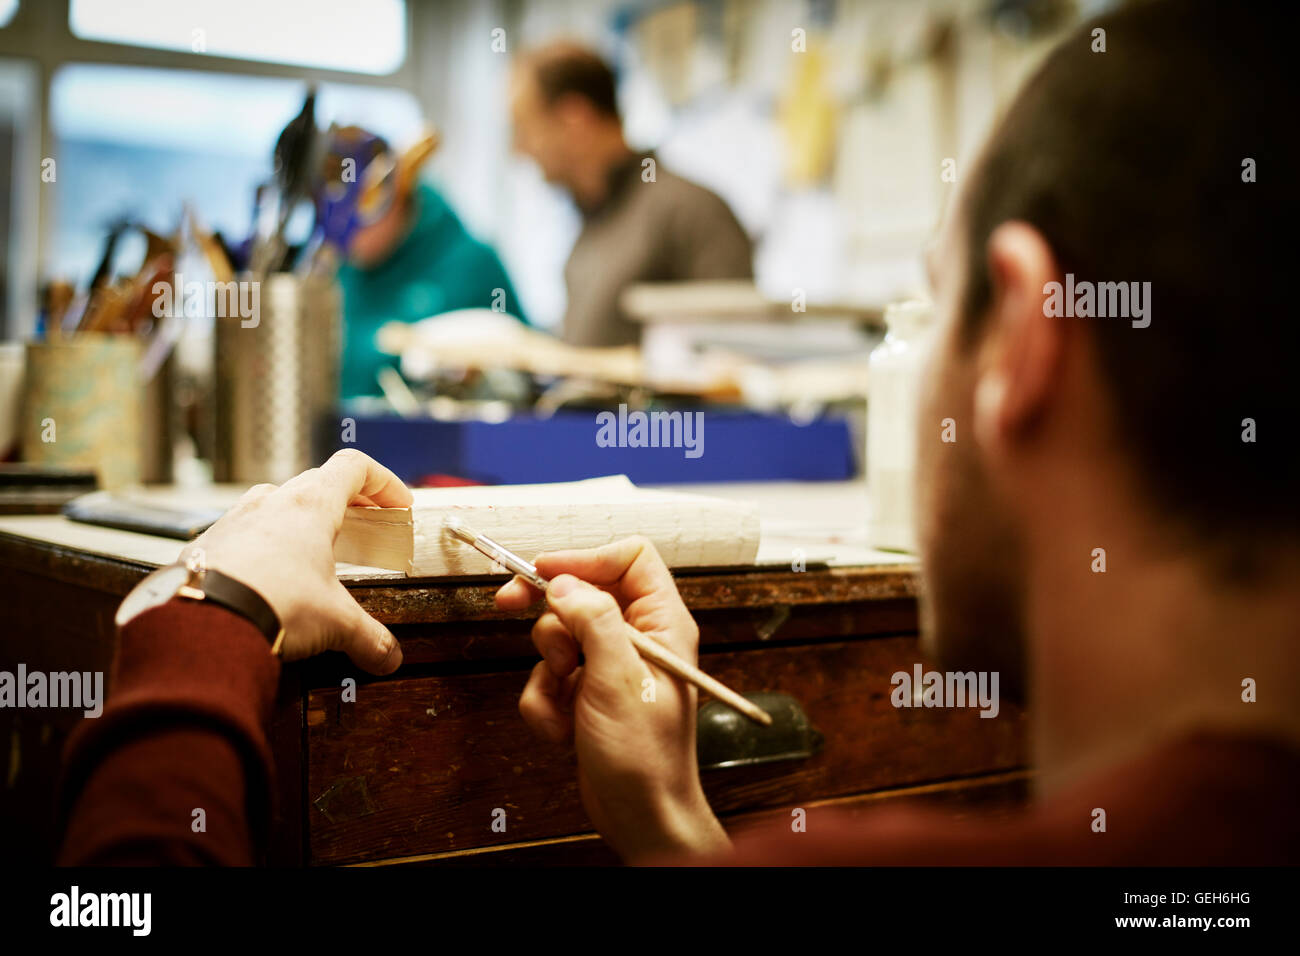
997, 798
419, 765
869, 744
435, 643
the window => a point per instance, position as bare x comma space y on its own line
138, 143
19, 191
368, 37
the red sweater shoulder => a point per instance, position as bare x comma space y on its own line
1205, 799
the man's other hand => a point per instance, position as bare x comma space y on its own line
280, 542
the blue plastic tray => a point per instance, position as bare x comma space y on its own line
736, 446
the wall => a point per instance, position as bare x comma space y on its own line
830, 155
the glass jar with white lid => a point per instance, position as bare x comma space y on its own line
893, 397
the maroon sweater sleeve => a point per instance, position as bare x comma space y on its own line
1202, 799
183, 731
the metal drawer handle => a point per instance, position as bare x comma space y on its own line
724, 738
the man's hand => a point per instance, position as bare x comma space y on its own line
280, 542
633, 724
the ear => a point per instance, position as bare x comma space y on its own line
1022, 359
572, 110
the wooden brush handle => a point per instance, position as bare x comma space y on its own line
655, 652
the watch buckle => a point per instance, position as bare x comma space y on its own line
195, 565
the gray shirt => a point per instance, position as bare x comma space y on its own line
668, 229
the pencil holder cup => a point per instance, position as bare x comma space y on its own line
277, 380
82, 406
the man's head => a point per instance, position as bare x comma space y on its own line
376, 241
365, 197
1166, 159
565, 112
361, 202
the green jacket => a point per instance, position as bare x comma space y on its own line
438, 267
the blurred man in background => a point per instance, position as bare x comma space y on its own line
640, 222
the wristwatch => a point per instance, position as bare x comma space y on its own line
192, 580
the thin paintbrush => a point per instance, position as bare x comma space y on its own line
650, 649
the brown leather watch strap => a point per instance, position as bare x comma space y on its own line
223, 590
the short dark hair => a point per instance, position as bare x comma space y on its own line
564, 67
1134, 164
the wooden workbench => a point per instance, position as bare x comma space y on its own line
414, 770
